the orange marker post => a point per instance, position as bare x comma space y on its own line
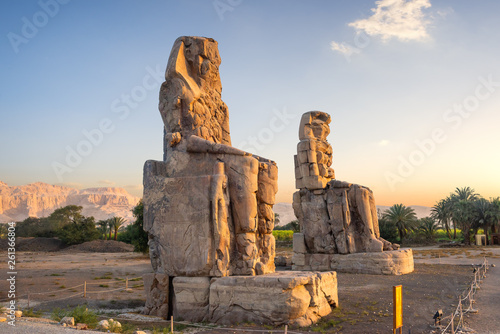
397, 304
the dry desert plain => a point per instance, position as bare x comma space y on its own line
365, 300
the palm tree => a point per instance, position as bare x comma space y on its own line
487, 215
428, 226
441, 212
116, 222
103, 228
110, 227
403, 217
495, 209
462, 208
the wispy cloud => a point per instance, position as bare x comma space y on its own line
343, 48
400, 19
108, 182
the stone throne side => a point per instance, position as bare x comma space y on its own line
336, 217
208, 212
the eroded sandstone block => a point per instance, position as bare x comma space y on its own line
294, 298
156, 288
191, 298
396, 262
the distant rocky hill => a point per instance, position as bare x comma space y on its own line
41, 199
285, 211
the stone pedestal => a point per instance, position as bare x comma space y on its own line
293, 298
156, 287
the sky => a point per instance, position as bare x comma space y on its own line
412, 87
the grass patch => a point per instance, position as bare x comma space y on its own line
103, 286
81, 314
28, 312
102, 277
56, 274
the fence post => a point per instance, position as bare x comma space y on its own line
172, 324
84, 289
286, 329
453, 323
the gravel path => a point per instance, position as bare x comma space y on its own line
488, 302
24, 326
487, 320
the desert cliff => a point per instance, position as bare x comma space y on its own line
41, 199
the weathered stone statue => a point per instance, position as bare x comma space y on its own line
208, 206
336, 217
208, 212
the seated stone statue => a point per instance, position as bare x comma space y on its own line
207, 206
336, 217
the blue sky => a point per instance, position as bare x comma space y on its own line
411, 87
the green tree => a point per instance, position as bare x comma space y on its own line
103, 228
65, 215
428, 226
402, 217
35, 227
116, 223
134, 233
276, 218
291, 226
140, 239
441, 213
79, 231
387, 229
463, 210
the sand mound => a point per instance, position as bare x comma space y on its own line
39, 245
34, 245
101, 246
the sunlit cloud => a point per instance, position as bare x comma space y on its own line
107, 182
400, 19
383, 142
343, 48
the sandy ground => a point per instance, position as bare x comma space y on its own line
365, 300
54, 276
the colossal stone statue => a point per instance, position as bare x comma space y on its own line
208, 206
336, 217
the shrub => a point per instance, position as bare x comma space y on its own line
82, 314
79, 231
28, 312
293, 226
388, 230
280, 235
134, 233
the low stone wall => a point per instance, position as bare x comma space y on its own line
396, 262
287, 297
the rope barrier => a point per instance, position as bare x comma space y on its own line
466, 296
59, 290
